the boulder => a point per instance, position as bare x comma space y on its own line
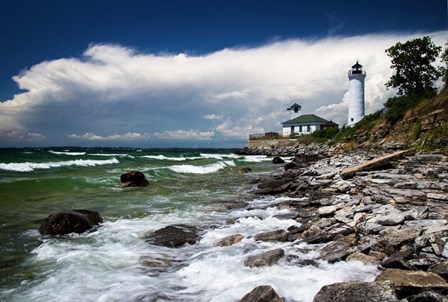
134, 179
357, 292
278, 160
340, 249
366, 259
265, 259
290, 166
417, 279
277, 235
429, 296
74, 221
174, 236
263, 293
440, 269
229, 240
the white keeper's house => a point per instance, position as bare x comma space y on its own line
305, 123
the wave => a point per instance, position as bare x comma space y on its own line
163, 157
201, 169
67, 153
111, 154
218, 156
256, 158
28, 166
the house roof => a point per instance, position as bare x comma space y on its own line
306, 118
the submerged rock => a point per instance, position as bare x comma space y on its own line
263, 293
74, 221
357, 292
229, 240
278, 160
134, 179
265, 259
174, 235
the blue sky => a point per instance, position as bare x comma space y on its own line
190, 73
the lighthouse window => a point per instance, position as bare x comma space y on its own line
351, 119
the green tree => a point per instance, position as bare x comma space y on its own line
444, 69
414, 72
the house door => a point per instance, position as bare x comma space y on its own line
292, 130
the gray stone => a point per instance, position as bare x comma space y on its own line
402, 236
366, 259
174, 236
391, 219
357, 292
437, 196
340, 249
326, 211
265, 259
429, 296
263, 293
427, 222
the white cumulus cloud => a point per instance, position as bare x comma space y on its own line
225, 94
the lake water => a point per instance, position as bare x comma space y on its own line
113, 262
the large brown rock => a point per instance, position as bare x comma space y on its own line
357, 292
134, 179
418, 279
229, 240
263, 293
174, 235
74, 221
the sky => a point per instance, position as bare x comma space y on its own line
191, 73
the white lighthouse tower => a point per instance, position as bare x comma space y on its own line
356, 109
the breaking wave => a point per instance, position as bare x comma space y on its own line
191, 169
28, 166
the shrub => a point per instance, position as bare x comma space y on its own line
397, 106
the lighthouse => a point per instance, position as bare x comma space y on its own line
356, 109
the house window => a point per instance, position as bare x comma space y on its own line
308, 128
300, 129
292, 129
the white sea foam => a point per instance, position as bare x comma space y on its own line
112, 154
163, 157
67, 153
218, 156
256, 158
29, 166
201, 169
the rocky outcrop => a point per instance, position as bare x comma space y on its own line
174, 236
263, 293
133, 179
74, 221
357, 292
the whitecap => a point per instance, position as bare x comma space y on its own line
111, 154
30, 166
191, 169
67, 153
163, 157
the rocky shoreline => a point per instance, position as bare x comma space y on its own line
388, 210
391, 211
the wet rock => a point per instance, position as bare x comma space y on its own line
440, 269
418, 279
134, 179
246, 170
229, 240
357, 292
366, 259
174, 236
402, 236
290, 166
277, 235
278, 160
263, 293
429, 296
265, 259
398, 259
75, 221
340, 249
